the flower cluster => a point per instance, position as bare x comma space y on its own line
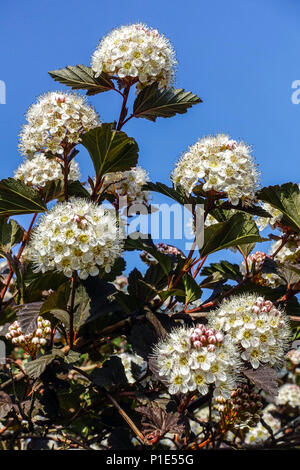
276, 216
77, 235
294, 356
255, 262
168, 249
289, 394
163, 248
128, 360
190, 359
41, 170
243, 409
135, 52
220, 164
32, 342
258, 434
128, 184
256, 326
290, 252
57, 119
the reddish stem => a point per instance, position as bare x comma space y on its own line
21, 249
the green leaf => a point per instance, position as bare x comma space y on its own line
27, 316
286, 198
110, 150
192, 290
225, 268
43, 281
80, 77
177, 195
11, 233
77, 189
35, 368
57, 300
237, 230
18, 198
81, 307
152, 102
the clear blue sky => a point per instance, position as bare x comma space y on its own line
240, 57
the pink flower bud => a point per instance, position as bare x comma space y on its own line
212, 340
197, 344
211, 348
219, 337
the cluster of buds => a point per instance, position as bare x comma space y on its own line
206, 337
243, 409
31, 343
168, 249
265, 306
162, 248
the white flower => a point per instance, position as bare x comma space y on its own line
128, 184
256, 326
32, 342
290, 252
220, 164
76, 235
127, 360
276, 216
289, 394
191, 359
294, 356
55, 120
41, 170
259, 434
135, 52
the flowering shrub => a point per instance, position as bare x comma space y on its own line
184, 353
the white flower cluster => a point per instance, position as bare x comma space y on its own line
128, 360
276, 216
256, 326
289, 394
255, 262
77, 235
128, 184
55, 120
294, 356
258, 434
290, 252
222, 164
191, 359
33, 341
135, 52
41, 170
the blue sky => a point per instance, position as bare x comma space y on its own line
240, 57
